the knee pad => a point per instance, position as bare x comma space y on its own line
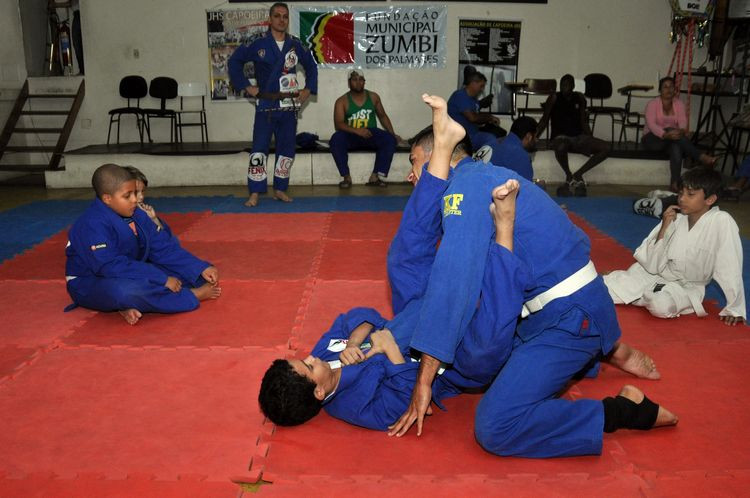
484, 154
283, 166
256, 169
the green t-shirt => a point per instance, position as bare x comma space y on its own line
363, 116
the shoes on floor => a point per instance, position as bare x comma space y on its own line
377, 183
572, 187
345, 184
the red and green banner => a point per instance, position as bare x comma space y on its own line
373, 37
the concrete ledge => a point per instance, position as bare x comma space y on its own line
318, 169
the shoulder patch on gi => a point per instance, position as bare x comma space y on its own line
484, 154
451, 203
98, 246
262, 53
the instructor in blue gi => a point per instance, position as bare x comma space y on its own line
275, 55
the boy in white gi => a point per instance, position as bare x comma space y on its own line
694, 243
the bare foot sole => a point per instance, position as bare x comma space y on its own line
280, 195
206, 291
131, 315
444, 127
252, 201
663, 418
633, 361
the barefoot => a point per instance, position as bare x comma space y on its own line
445, 129
131, 315
280, 195
503, 210
663, 418
206, 291
633, 361
252, 201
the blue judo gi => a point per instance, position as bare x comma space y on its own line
109, 268
375, 393
275, 71
511, 154
520, 414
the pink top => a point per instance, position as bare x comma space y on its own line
656, 120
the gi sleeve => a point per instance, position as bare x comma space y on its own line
236, 64
98, 246
652, 253
166, 251
728, 268
413, 249
456, 277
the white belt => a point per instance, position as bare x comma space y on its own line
576, 281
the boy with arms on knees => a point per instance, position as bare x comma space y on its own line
117, 260
694, 243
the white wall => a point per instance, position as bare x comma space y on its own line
627, 40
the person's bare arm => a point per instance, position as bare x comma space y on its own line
383, 342
382, 116
548, 105
583, 115
420, 398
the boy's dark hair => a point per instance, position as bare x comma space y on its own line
700, 178
472, 77
426, 139
108, 177
568, 77
286, 397
277, 4
664, 80
137, 174
523, 125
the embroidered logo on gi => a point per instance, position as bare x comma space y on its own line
98, 246
290, 60
484, 154
451, 203
283, 166
262, 53
256, 170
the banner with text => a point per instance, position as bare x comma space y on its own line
228, 29
373, 37
492, 48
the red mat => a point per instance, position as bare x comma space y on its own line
262, 259
248, 313
179, 223
354, 260
159, 413
13, 358
229, 227
44, 261
32, 312
364, 226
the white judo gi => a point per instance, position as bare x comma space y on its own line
684, 261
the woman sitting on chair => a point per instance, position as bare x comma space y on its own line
666, 130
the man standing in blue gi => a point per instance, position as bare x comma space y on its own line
275, 56
569, 323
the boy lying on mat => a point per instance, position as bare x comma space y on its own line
119, 260
694, 243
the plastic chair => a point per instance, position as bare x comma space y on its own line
163, 88
187, 91
599, 87
131, 88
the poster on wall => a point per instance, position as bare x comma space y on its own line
373, 37
227, 29
492, 48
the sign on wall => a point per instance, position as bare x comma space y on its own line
227, 29
373, 37
492, 48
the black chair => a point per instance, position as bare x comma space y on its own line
131, 88
599, 87
163, 88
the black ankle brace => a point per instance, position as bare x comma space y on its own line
622, 413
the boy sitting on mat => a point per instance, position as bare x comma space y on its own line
141, 182
694, 243
117, 259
